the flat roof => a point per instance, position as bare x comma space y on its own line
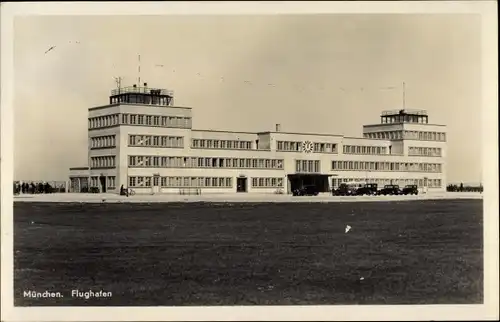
223, 131
293, 133
122, 103
399, 123
267, 132
298, 133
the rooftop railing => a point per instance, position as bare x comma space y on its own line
141, 90
404, 111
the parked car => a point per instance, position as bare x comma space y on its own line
367, 189
345, 190
390, 189
410, 189
306, 191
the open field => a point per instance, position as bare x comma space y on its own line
411, 252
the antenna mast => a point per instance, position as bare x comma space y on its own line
404, 95
118, 81
139, 71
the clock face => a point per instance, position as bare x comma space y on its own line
307, 147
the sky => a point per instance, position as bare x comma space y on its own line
328, 73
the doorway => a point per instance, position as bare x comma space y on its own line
241, 185
102, 179
156, 184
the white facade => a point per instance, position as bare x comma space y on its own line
153, 149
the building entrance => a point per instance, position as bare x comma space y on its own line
102, 179
297, 181
241, 185
156, 183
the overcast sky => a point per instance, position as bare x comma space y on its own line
331, 74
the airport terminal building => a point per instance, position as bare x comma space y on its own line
142, 141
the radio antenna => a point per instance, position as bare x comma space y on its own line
404, 95
118, 81
139, 70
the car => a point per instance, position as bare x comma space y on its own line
306, 191
410, 189
390, 189
367, 189
345, 190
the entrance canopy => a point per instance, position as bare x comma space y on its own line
298, 180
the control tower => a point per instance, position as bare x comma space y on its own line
394, 124
405, 128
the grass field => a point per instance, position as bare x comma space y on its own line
409, 252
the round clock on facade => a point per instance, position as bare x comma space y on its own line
307, 146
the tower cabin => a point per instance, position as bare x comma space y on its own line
404, 116
142, 95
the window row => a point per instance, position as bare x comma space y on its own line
295, 146
140, 119
422, 119
157, 120
106, 141
221, 144
103, 121
181, 182
426, 136
386, 166
142, 99
385, 135
110, 182
360, 149
108, 161
203, 162
160, 141
432, 152
431, 183
267, 182
407, 135
307, 166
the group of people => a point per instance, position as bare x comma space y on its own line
33, 188
461, 188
